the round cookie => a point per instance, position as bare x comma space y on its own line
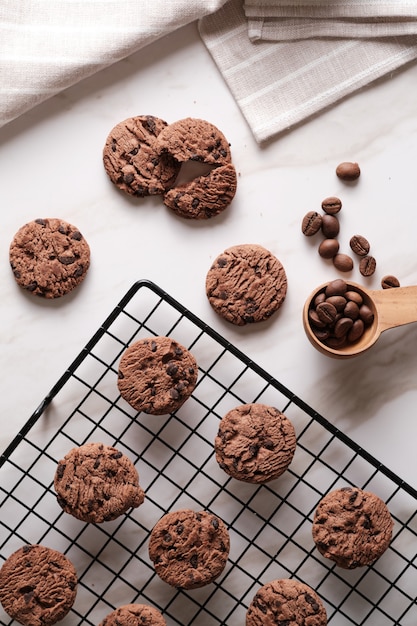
131, 161
38, 585
205, 196
134, 615
352, 527
246, 284
286, 601
157, 375
97, 483
49, 257
255, 443
194, 139
189, 549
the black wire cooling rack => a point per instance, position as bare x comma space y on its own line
270, 525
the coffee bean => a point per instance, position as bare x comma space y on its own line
331, 205
356, 331
315, 320
366, 314
337, 287
319, 298
343, 262
330, 226
327, 312
359, 245
311, 223
342, 326
351, 310
339, 302
355, 296
367, 266
389, 282
348, 171
328, 248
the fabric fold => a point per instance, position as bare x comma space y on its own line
278, 85
49, 45
279, 20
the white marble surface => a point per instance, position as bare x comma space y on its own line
50, 166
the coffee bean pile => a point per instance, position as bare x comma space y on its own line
327, 224
338, 315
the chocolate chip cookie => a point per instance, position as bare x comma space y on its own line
49, 257
38, 585
205, 196
352, 527
288, 602
189, 549
194, 139
255, 443
246, 284
97, 483
132, 163
134, 615
157, 375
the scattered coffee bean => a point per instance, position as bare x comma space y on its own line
348, 171
331, 205
359, 245
328, 248
338, 316
343, 262
389, 282
311, 223
330, 226
367, 265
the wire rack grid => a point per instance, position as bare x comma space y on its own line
269, 525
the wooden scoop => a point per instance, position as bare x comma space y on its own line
391, 308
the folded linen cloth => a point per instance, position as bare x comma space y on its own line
278, 84
279, 20
49, 45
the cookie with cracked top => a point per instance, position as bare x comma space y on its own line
157, 375
194, 139
246, 284
255, 443
352, 527
134, 615
131, 161
205, 196
38, 585
97, 483
49, 257
286, 601
189, 549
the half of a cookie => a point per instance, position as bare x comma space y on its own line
131, 161
210, 191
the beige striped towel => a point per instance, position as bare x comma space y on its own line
278, 84
49, 45
280, 20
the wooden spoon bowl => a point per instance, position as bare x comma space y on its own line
390, 307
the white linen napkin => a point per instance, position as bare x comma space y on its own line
49, 45
279, 20
278, 84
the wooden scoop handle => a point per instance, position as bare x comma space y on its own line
395, 307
